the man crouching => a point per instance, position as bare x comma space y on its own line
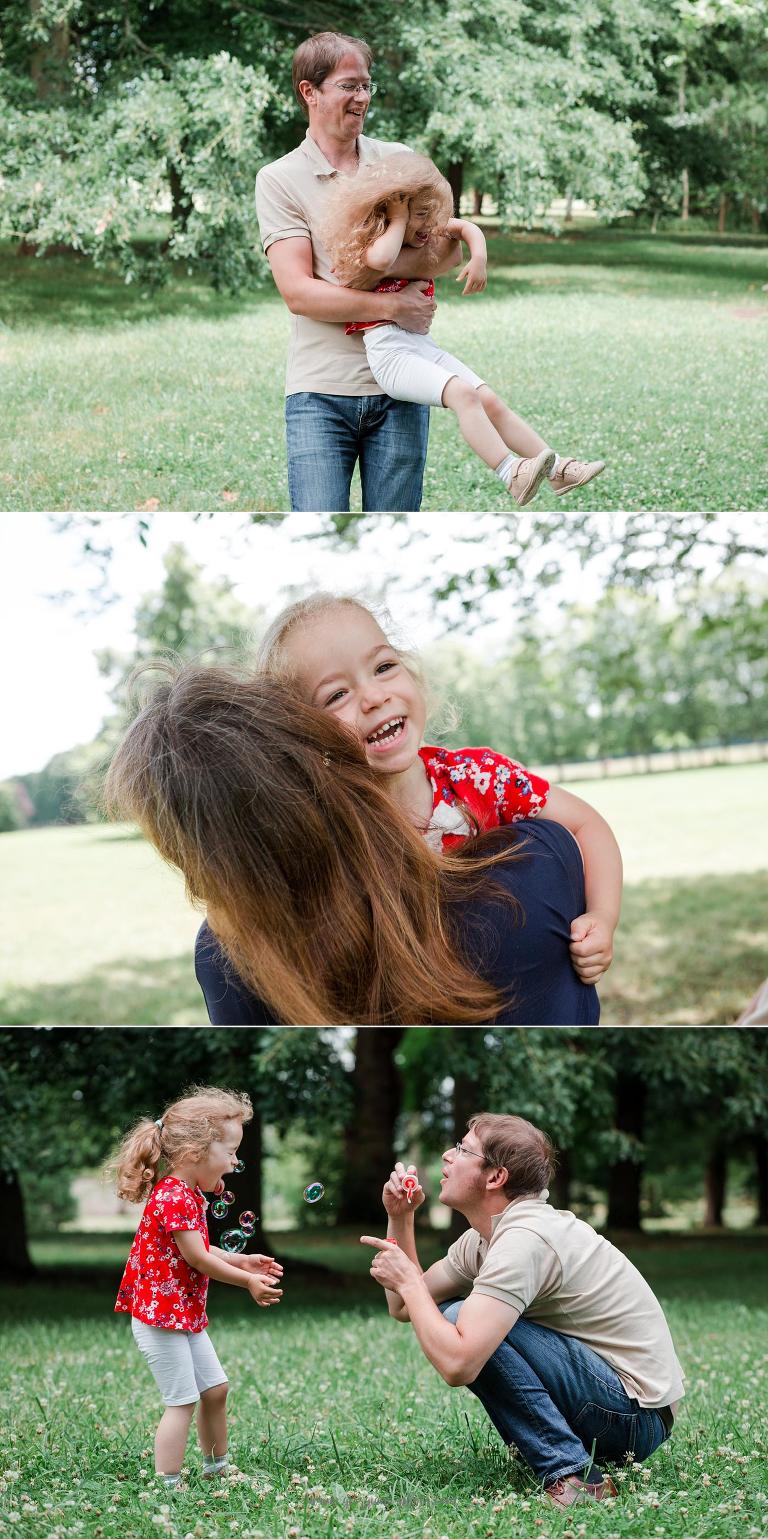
559, 1336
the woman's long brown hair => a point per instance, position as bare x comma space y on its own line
325, 899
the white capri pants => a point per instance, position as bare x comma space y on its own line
411, 367
183, 1363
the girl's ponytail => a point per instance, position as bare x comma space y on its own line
138, 1160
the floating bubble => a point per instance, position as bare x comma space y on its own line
314, 1191
219, 1208
219, 1187
234, 1239
228, 1198
247, 1220
239, 1167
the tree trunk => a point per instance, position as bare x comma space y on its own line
561, 1182
625, 1177
466, 1095
761, 1162
181, 203
477, 202
686, 191
15, 1260
722, 214
455, 177
369, 1137
714, 1186
48, 59
569, 205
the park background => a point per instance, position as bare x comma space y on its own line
624, 654
339, 1424
614, 152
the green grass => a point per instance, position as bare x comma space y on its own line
646, 350
96, 930
339, 1426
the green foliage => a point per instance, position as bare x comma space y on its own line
11, 809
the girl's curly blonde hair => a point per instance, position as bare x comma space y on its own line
357, 208
186, 1130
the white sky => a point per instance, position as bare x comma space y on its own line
53, 696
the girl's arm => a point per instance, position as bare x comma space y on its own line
191, 1245
476, 269
592, 932
385, 250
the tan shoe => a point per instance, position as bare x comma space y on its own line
573, 473
567, 1492
527, 476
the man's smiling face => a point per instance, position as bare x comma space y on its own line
336, 112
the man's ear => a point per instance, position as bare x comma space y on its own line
306, 87
498, 1179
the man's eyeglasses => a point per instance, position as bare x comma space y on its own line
352, 87
461, 1150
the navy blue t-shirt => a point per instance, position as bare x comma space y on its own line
525, 957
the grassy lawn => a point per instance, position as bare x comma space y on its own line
648, 351
94, 929
341, 1427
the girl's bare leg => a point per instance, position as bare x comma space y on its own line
518, 435
212, 1420
171, 1438
479, 431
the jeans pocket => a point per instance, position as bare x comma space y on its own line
613, 1433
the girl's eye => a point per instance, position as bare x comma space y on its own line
336, 696
383, 666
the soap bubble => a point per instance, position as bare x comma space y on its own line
219, 1208
234, 1239
247, 1221
228, 1198
314, 1191
239, 1167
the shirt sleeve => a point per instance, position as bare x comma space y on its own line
178, 1210
227, 1000
461, 1257
519, 1268
279, 213
517, 792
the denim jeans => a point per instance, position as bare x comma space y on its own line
327, 434
560, 1404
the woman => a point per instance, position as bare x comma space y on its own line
325, 906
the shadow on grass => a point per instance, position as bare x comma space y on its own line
688, 952
130, 991
66, 290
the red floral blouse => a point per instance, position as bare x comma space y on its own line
158, 1285
496, 789
389, 286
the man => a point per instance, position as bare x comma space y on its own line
560, 1337
335, 411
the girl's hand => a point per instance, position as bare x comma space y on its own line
394, 1195
476, 273
263, 1292
591, 946
397, 208
263, 1266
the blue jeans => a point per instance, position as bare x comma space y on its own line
327, 434
559, 1403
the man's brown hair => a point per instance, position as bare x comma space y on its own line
525, 1152
318, 56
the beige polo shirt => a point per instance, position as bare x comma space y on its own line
560, 1273
291, 198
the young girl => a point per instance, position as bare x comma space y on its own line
165, 1281
336, 653
403, 200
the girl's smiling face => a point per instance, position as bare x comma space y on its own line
344, 664
419, 226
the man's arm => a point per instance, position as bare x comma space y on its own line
458, 1351
304, 294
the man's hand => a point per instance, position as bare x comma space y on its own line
591, 946
394, 1195
412, 308
390, 1266
476, 273
263, 1292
